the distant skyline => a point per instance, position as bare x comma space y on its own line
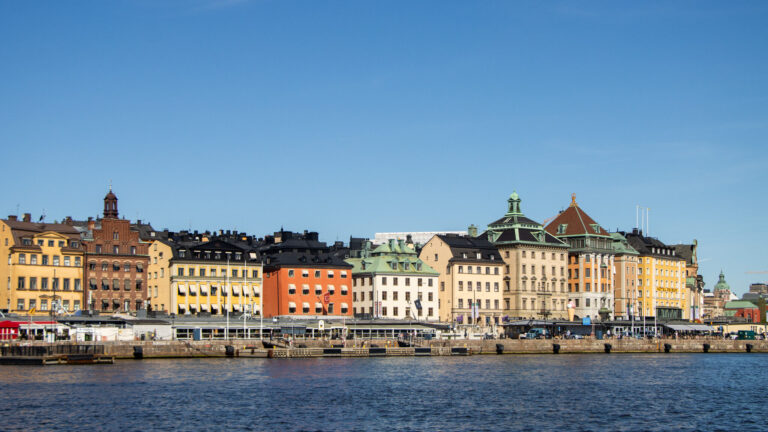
350, 118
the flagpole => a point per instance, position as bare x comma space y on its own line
245, 283
226, 334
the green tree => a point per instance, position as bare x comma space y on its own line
762, 306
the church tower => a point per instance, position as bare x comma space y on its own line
110, 205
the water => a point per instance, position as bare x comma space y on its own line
617, 392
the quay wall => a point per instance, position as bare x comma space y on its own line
314, 348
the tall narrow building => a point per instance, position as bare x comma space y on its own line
534, 265
590, 262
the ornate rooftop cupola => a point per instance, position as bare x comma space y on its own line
514, 204
110, 205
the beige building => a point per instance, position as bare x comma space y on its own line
625, 278
534, 266
471, 279
42, 266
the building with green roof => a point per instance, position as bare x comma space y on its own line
390, 281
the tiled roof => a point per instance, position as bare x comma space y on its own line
575, 223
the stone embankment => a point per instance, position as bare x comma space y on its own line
388, 347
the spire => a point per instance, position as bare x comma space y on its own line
110, 204
514, 204
573, 200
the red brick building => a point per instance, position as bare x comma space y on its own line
116, 262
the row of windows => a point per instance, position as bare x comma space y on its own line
114, 305
541, 286
217, 255
479, 286
127, 284
329, 273
576, 287
116, 266
479, 303
384, 295
396, 280
479, 270
51, 243
524, 270
344, 309
574, 273
21, 304
115, 249
215, 290
588, 302
201, 272
44, 260
430, 312
533, 255
318, 289
542, 304
67, 284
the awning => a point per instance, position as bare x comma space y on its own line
305, 305
215, 307
225, 290
344, 288
318, 306
690, 327
139, 266
291, 305
331, 288
305, 287
204, 289
237, 307
203, 307
182, 290
236, 290
344, 306
291, 287
193, 290
318, 289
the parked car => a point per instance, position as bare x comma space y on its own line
538, 333
574, 336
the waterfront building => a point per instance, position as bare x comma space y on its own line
714, 302
116, 262
391, 281
204, 273
534, 265
694, 282
43, 272
742, 309
758, 288
590, 262
304, 278
471, 277
625, 262
660, 277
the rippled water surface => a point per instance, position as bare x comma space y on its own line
713, 392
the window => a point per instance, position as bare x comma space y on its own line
394, 296
116, 250
45, 259
33, 283
115, 285
50, 243
586, 302
383, 295
461, 303
32, 303
290, 273
33, 259
133, 250
291, 289
384, 310
407, 281
65, 284
318, 289
407, 296
487, 287
430, 297
22, 259
461, 269
384, 281
469, 285
330, 308
496, 287
255, 274
127, 285
202, 272
395, 311
44, 303
20, 304
461, 285
55, 282
343, 275
394, 281
55, 260
305, 289
180, 271
78, 286
330, 274
317, 273
21, 284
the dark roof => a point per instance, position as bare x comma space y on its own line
471, 246
521, 219
685, 251
300, 259
650, 246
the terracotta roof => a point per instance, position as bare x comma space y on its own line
576, 222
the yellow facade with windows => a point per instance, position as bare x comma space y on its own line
42, 267
661, 284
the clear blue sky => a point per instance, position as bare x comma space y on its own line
353, 117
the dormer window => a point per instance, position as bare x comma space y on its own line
479, 255
394, 265
182, 254
406, 265
238, 256
464, 255
561, 228
26, 242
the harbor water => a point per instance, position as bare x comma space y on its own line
625, 392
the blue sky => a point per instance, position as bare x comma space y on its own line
350, 118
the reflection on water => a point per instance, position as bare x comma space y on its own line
527, 392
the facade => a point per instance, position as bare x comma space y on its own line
43, 272
304, 278
625, 262
661, 277
534, 265
742, 309
590, 262
471, 277
714, 303
194, 273
116, 262
390, 281
694, 283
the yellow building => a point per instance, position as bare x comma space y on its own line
661, 289
44, 267
190, 273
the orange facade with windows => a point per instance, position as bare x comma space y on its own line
308, 291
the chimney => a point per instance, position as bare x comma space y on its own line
472, 230
12, 218
138, 222
27, 217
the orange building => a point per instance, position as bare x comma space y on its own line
307, 285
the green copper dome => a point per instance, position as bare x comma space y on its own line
722, 284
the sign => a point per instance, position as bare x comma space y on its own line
321, 325
418, 304
326, 298
586, 321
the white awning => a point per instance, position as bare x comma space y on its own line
236, 290
215, 307
204, 289
193, 290
319, 287
237, 307
182, 290
291, 305
344, 288
292, 287
193, 307
305, 305
331, 288
344, 306
225, 290
305, 287
203, 307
